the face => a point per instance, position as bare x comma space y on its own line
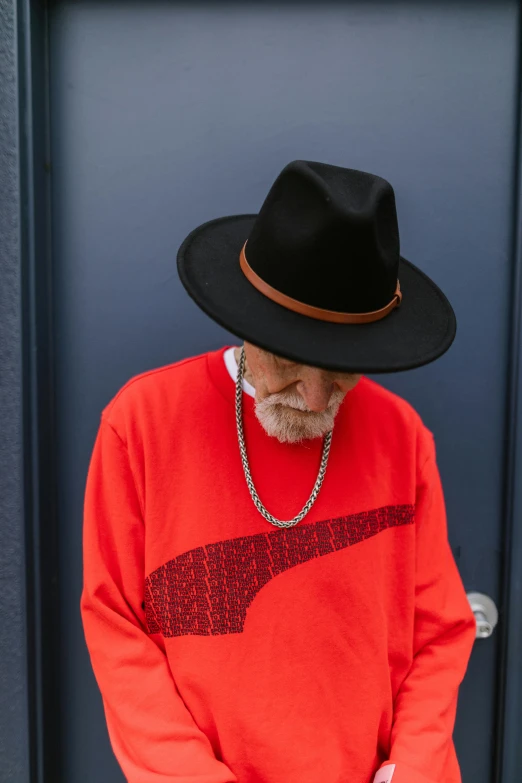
295, 402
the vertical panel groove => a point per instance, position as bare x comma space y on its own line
39, 441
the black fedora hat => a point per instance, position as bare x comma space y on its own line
317, 276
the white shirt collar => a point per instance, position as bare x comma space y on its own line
231, 365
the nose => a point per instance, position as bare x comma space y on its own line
316, 390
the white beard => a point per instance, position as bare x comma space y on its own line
286, 417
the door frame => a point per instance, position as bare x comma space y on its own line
29, 385
508, 759
30, 633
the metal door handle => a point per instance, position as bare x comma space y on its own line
486, 614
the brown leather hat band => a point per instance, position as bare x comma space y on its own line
310, 310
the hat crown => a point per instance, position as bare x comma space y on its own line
328, 237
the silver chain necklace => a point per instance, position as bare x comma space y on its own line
244, 459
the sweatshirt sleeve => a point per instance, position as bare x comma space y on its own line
152, 734
422, 749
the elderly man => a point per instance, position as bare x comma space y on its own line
269, 594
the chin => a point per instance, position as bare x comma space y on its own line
289, 427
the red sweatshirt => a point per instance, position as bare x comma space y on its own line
226, 649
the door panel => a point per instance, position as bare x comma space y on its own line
164, 116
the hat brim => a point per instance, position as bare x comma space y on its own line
412, 335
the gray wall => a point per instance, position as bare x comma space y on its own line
14, 748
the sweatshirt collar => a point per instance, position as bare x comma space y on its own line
231, 365
221, 377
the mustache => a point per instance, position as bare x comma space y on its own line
292, 399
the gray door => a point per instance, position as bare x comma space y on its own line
165, 115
